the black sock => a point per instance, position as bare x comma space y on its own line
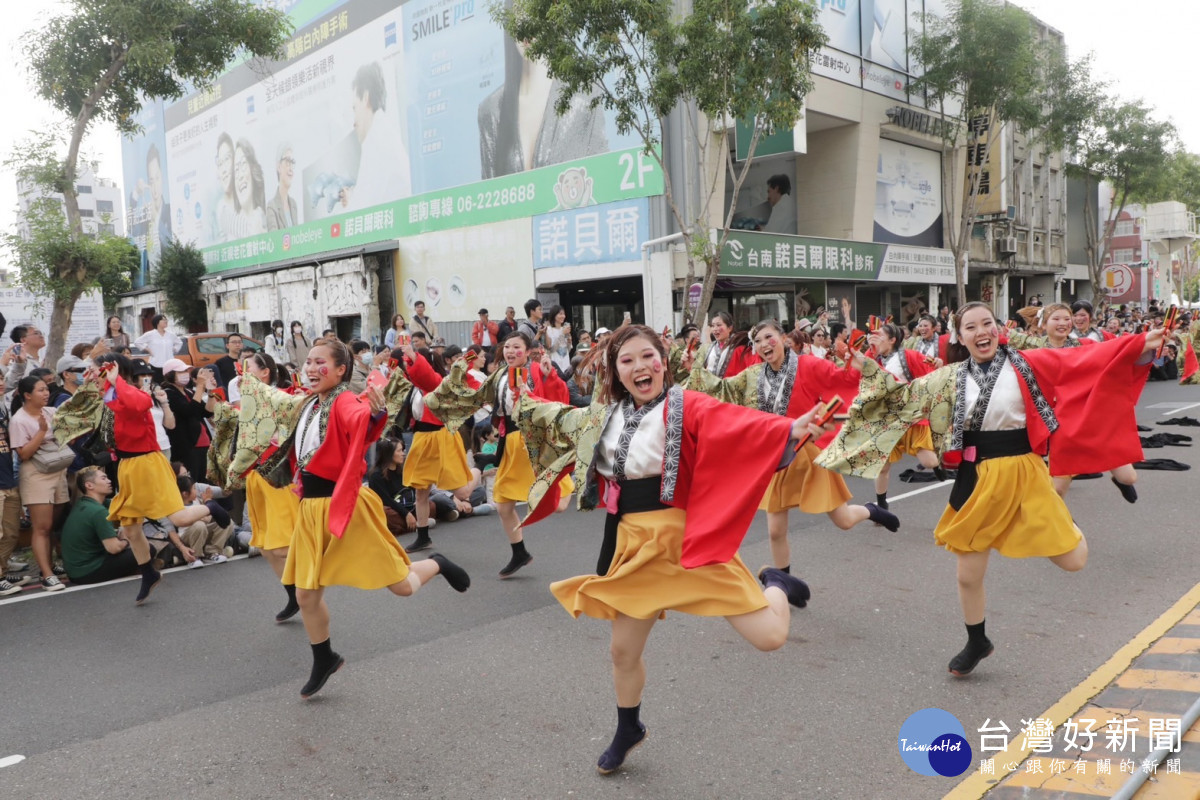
290, 588
787, 569
422, 532
322, 652
518, 548
975, 634
630, 731
147, 568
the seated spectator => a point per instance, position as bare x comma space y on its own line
207, 537
449, 508
387, 481
168, 549
487, 441
92, 551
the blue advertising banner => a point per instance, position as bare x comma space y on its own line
594, 235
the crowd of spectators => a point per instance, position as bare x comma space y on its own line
62, 487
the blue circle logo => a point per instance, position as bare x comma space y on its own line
933, 742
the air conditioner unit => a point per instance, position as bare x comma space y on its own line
1007, 246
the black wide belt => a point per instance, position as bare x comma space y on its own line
980, 446
427, 427
642, 494
315, 486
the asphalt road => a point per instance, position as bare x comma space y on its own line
500, 694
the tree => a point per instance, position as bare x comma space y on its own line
1124, 145
726, 60
982, 59
181, 267
79, 262
99, 60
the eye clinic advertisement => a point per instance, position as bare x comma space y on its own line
384, 119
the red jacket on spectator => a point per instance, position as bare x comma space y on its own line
477, 332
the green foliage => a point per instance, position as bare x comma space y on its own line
734, 59
641, 61
49, 260
103, 57
179, 273
985, 52
1183, 179
1126, 146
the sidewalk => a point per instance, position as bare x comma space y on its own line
1105, 728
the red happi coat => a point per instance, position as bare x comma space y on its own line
1094, 393
718, 461
818, 381
342, 454
426, 379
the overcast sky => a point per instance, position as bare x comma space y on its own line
1142, 47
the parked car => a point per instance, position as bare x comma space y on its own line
202, 349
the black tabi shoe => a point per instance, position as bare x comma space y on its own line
319, 676
455, 575
289, 611
149, 581
969, 657
940, 474
881, 516
423, 542
622, 745
515, 563
797, 591
1127, 491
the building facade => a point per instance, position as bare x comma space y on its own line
100, 203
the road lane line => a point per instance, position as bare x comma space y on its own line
8, 761
922, 490
1177, 410
36, 594
978, 784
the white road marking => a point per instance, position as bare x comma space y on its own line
1177, 409
8, 761
38, 594
922, 490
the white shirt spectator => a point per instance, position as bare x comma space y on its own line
160, 346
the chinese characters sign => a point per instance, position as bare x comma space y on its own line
594, 234
763, 255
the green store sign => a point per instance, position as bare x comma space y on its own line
765, 255
619, 175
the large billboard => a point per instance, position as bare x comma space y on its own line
869, 43
908, 195
147, 196
384, 120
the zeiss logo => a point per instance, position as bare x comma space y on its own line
836, 6
250, 104
389, 34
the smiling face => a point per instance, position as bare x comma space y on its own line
769, 346
1058, 325
252, 368
640, 369
321, 372
516, 354
1083, 320
978, 333
242, 184
225, 167
286, 170
925, 329
1113, 325
880, 341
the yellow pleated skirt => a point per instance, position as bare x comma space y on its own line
914, 440
1013, 510
148, 490
272, 512
804, 485
514, 475
437, 457
367, 556
645, 579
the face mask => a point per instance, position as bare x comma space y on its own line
366, 358
279, 331
183, 378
